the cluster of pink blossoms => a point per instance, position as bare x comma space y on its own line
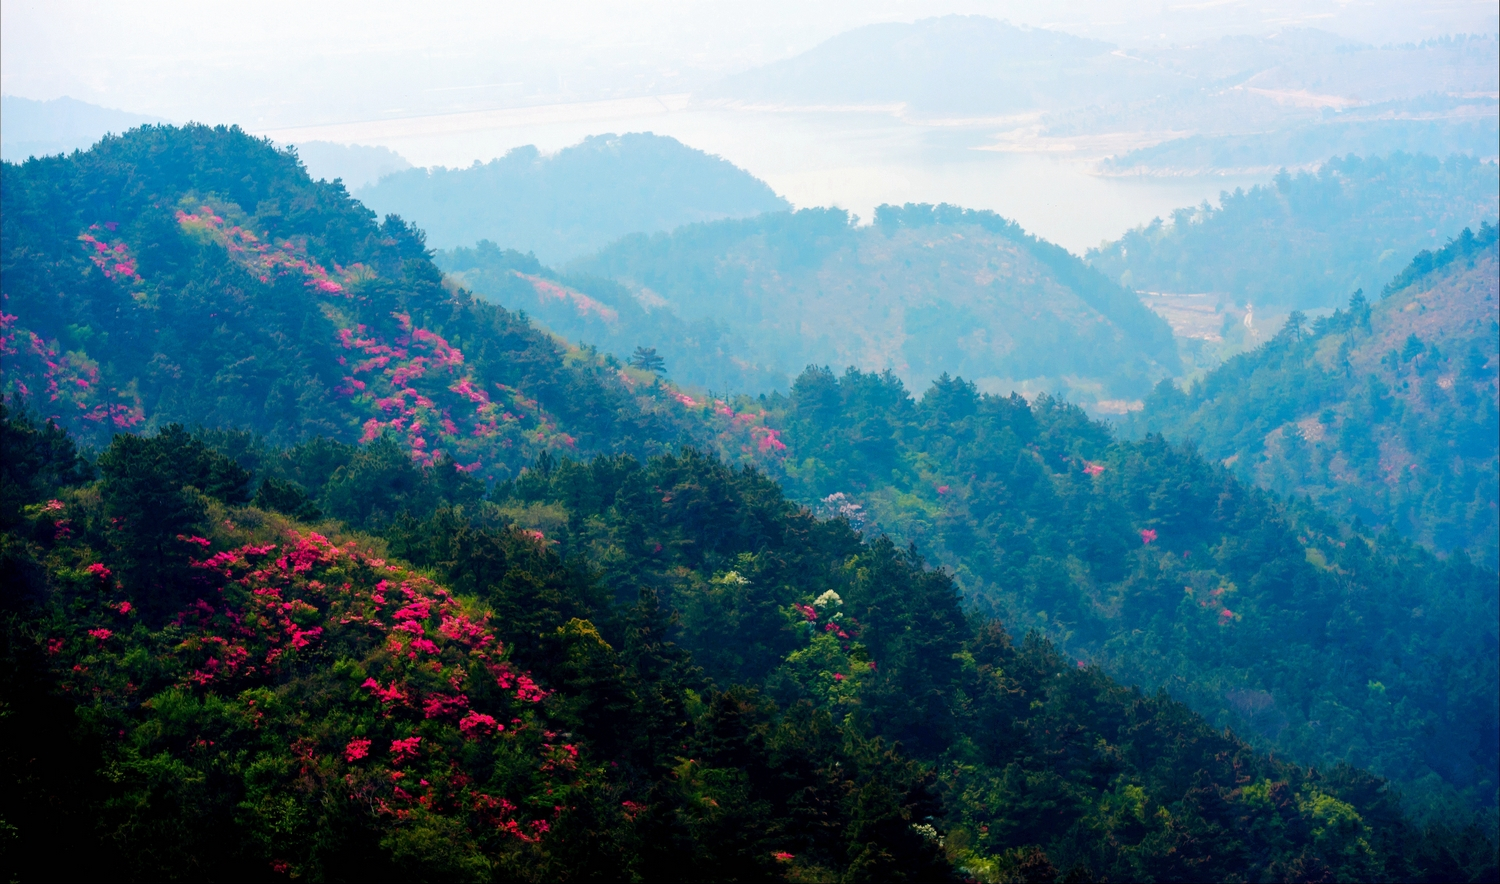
280, 601
547, 290
734, 427
112, 259
422, 390
267, 261
69, 380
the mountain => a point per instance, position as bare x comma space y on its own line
431, 594
62, 125
950, 64
691, 678
1387, 412
1306, 241
1229, 105
357, 165
567, 204
923, 291
210, 281
1297, 96
1440, 125
703, 353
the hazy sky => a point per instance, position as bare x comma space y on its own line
277, 64
448, 83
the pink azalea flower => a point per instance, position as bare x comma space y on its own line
476, 724
356, 750
404, 749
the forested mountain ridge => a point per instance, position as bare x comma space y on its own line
1307, 240
672, 614
565, 205
922, 291
1388, 411
1162, 568
205, 279
689, 679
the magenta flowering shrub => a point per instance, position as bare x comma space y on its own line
112, 258
345, 681
268, 260
832, 665
548, 290
268, 302
66, 385
419, 388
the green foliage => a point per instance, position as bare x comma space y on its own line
598, 703
1390, 413
1168, 572
1305, 240
33, 460
925, 289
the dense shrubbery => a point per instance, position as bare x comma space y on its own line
342, 632
685, 678
1168, 572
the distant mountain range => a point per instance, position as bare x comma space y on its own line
568, 204
1241, 104
38, 128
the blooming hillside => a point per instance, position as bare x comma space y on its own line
697, 681
198, 275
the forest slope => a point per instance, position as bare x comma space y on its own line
207, 280
704, 353
1306, 241
692, 680
1387, 411
1142, 558
922, 291
1168, 572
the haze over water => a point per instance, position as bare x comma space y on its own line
462, 83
